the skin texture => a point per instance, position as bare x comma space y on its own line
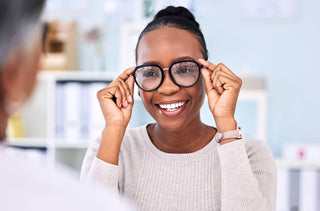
17, 80
181, 133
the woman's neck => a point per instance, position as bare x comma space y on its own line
191, 138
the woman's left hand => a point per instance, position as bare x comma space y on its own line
223, 88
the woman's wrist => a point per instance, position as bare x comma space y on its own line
225, 124
119, 123
110, 143
114, 126
225, 141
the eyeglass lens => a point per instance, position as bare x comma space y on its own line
150, 77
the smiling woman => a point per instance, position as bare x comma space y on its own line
179, 163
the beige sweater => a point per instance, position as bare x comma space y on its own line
240, 175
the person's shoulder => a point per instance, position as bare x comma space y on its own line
53, 189
257, 147
134, 145
136, 130
135, 137
133, 141
255, 143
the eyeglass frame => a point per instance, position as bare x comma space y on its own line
170, 74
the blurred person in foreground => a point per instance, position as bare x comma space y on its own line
26, 184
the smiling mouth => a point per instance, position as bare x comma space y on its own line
172, 107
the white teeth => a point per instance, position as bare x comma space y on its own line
172, 107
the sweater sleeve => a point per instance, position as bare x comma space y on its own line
248, 176
95, 170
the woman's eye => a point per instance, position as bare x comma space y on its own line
150, 73
185, 70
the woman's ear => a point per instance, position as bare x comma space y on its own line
11, 75
12, 81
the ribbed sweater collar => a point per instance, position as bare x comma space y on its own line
175, 157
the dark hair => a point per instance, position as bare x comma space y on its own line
178, 17
17, 20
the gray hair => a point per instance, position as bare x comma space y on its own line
18, 22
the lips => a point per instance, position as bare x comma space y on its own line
172, 108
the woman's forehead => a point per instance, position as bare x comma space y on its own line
168, 43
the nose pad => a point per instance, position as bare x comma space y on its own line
168, 87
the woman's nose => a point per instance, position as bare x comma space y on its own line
168, 87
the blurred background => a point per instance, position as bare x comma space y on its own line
274, 45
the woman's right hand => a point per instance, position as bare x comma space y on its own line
116, 100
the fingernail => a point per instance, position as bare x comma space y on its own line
125, 103
130, 98
202, 60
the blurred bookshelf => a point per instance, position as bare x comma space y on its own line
43, 118
298, 185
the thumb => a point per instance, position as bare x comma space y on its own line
127, 111
130, 82
212, 94
206, 75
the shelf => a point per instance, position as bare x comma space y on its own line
72, 145
77, 75
27, 142
43, 143
292, 164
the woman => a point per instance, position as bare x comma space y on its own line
179, 163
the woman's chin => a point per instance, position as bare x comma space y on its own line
172, 126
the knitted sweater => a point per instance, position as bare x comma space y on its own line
240, 175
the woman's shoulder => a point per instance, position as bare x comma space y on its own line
131, 137
257, 147
136, 131
133, 145
135, 137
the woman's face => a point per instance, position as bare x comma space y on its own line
164, 46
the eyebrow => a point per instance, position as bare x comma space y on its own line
175, 60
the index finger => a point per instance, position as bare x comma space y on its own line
125, 74
207, 64
227, 70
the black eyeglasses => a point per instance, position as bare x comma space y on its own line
184, 73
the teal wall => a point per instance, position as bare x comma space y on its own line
285, 52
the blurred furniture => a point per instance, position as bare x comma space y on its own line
298, 185
63, 116
60, 47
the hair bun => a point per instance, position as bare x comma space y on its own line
178, 12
